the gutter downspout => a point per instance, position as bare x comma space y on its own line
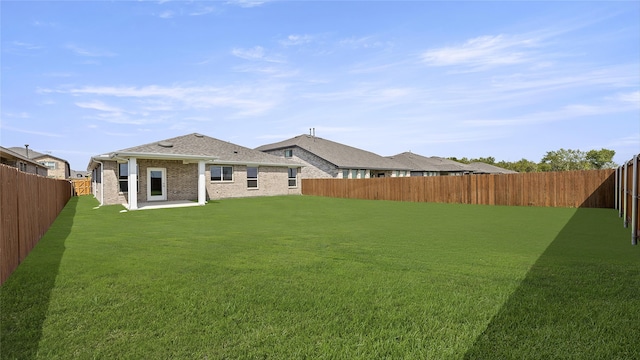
101, 181
626, 193
615, 189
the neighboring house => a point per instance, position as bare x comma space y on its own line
327, 159
189, 167
57, 168
75, 174
22, 163
483, 168
430, 166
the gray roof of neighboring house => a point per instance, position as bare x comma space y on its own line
33, 154
422, 163
79, 174
340, 155
198, 145
484, 168
9, 152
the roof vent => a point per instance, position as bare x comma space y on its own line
198, 135
165, 144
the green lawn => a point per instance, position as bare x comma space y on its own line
318, 278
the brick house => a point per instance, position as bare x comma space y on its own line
22, 163
191, 167
328, 159
57, 168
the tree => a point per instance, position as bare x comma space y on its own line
564, 160
487, 160
601, 159
463, 160
522, 165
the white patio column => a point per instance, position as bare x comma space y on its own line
133, 184
202, 190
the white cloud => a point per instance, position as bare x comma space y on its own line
167, 14
20, 115
366, 42
32, 132
257, 53
203, 11
632, 97
98, 105
247, 3
89, 52
294, 40
246, 100
483, 51
565, 113
26, 46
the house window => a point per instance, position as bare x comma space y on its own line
354, 174
252, 177
222, 173
123, 177
288, 153
49, 164
345, 174
23, 166
363, 174
293, 176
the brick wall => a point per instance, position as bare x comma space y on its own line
271, 181
182, 182
112, 194
60, 172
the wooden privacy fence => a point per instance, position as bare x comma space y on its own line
626, 196
590, 188
82, 186
28, 206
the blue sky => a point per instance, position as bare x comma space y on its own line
510, 80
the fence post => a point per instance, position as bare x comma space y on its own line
625, 195
634, 203
616, 190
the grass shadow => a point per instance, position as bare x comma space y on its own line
578, 301
24, 297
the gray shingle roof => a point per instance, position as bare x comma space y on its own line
484, 168
422, 163
11, 153
205, 146
342, 156
32, 153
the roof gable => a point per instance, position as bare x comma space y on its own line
342, 156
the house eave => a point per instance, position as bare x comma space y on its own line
255, 163
157, 156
